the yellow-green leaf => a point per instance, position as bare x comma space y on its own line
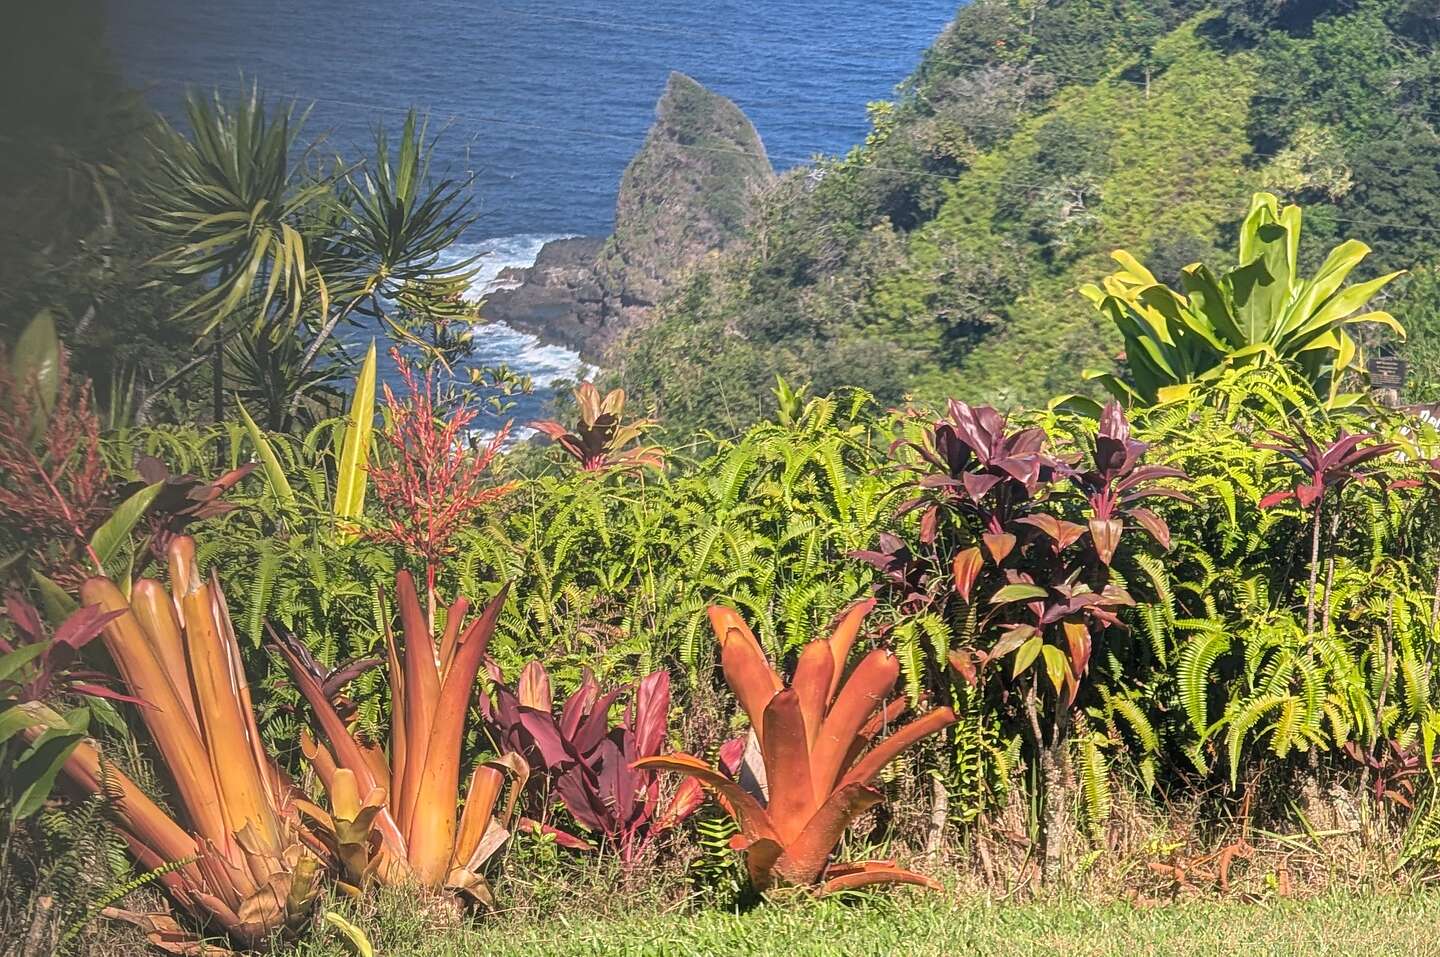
108, 538
353, 472
1056, 666
1026, 655
36, 365
355, 939
274, 474
1017, 592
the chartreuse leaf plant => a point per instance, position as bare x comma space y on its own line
601, 439
1260, 311
816, 737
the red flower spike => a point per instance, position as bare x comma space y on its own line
54, 487
431, 484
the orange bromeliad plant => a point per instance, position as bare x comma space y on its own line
238, 858
395, 821
813, 737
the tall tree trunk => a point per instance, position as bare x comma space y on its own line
321, 337
939, 813
217, 382
1057, 813
217, 393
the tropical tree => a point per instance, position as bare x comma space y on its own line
1260, 311
231, 202
391, 226
297, 249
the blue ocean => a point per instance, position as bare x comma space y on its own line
542, 104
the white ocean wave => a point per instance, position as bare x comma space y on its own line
499, 254
497, 343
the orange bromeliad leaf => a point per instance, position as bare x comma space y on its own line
417, 832
240, 860
813, 738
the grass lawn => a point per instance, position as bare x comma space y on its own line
930, 926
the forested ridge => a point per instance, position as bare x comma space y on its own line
943, 256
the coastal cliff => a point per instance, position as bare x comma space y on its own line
684, 196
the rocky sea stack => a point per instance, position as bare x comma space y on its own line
686, 194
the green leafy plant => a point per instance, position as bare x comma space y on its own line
1260, 311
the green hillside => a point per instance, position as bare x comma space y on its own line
943, 256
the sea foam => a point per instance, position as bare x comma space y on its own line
497, 343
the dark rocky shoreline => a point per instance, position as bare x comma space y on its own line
686, 194
558, 299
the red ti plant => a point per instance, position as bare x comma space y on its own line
817, 739
181, 500
598, 442
1051, 586
1117, 480
1392, 775
432, 483
589, 763
1032, 579
973, 467
904, 575
39, 666
1323, 470
54, 487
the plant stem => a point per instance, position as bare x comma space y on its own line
1314, 570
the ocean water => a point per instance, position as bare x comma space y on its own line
541, 103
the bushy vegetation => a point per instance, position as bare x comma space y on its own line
281, 662
1035, 139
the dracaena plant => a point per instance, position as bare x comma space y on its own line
601, 440
1116, 481
405, 818
818, 740
233, 854
1325, 470
1028, 538
180, 501
972, 466
590, 764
